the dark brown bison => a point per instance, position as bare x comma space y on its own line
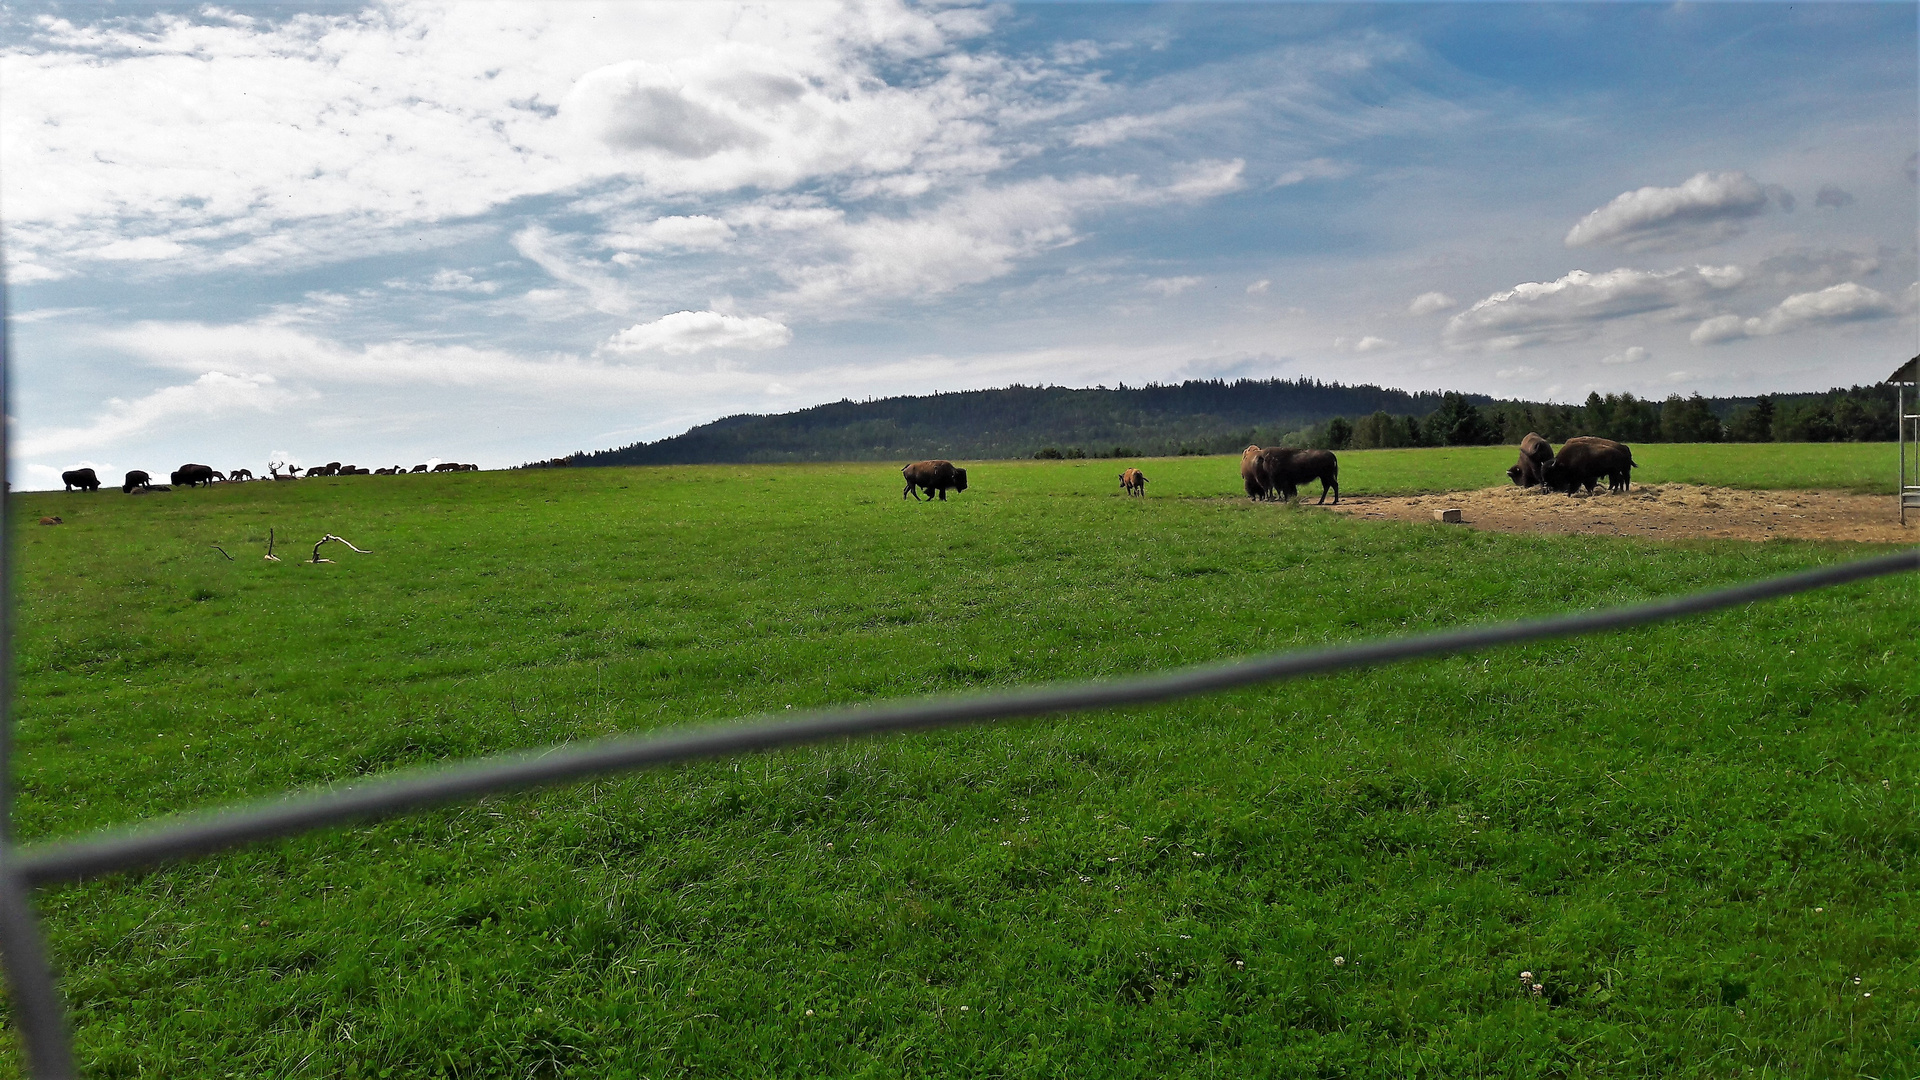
932, 476
192, 475
1285, 470
1134, 481
136, 479
1535, 453
84, 479
1583, 460
1253, 475
418, 468
447, 466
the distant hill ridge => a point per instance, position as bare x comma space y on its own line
1197, 416
1212, 416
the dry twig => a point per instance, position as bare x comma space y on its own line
342, 539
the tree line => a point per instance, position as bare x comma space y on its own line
1212, 416
1853, 414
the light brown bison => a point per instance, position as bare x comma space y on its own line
1583, 460
1134, 481
136, 479
1535, 453
84, 479
933, 477
1253, 474
1285, 470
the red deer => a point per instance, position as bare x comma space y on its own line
240, 474
933, 476
1134, 481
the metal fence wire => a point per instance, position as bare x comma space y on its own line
40, 1016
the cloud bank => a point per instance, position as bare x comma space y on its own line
1708, 207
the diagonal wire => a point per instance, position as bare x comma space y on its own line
200, 834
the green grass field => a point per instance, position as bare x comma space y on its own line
1703, 839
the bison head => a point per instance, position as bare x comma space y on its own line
1513, 473
959, 479
1558, 477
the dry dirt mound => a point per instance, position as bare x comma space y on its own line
1670, 511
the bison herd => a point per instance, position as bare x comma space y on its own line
1278, 472
194, 475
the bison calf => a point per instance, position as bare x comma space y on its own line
1134, 481
933, 477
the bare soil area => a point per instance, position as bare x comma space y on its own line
1670, 511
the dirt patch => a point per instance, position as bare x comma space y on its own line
1669, 511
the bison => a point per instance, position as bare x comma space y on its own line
933, 476
1584, 459
136, 479
1286, 470
1535, 453
1253, 475
1134, 481
84, 479
192, 475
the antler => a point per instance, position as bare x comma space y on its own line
342, 539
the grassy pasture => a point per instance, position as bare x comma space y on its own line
1701, 838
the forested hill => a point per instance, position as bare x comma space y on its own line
1209, 416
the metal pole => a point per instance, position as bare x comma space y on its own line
38, 1012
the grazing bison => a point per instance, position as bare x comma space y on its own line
933, 476
192, 475
418, 468
84, 479
1253, 474
1535, 453
1134, 481
1582, 461
1286, 470
136, 479
447, 466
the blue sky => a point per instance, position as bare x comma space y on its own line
496, 233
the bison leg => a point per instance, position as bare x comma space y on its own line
943, 494
911, 490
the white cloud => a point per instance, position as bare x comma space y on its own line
213, 396
1259, 288
142, 249
1846, 302
1429, 302
1314, 169
1171, 286
218, 135
1572, 307
1632, 354
1366, 344
1114, 129
832, 259
1521, 371
686, 332
696, 232
1708, 207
